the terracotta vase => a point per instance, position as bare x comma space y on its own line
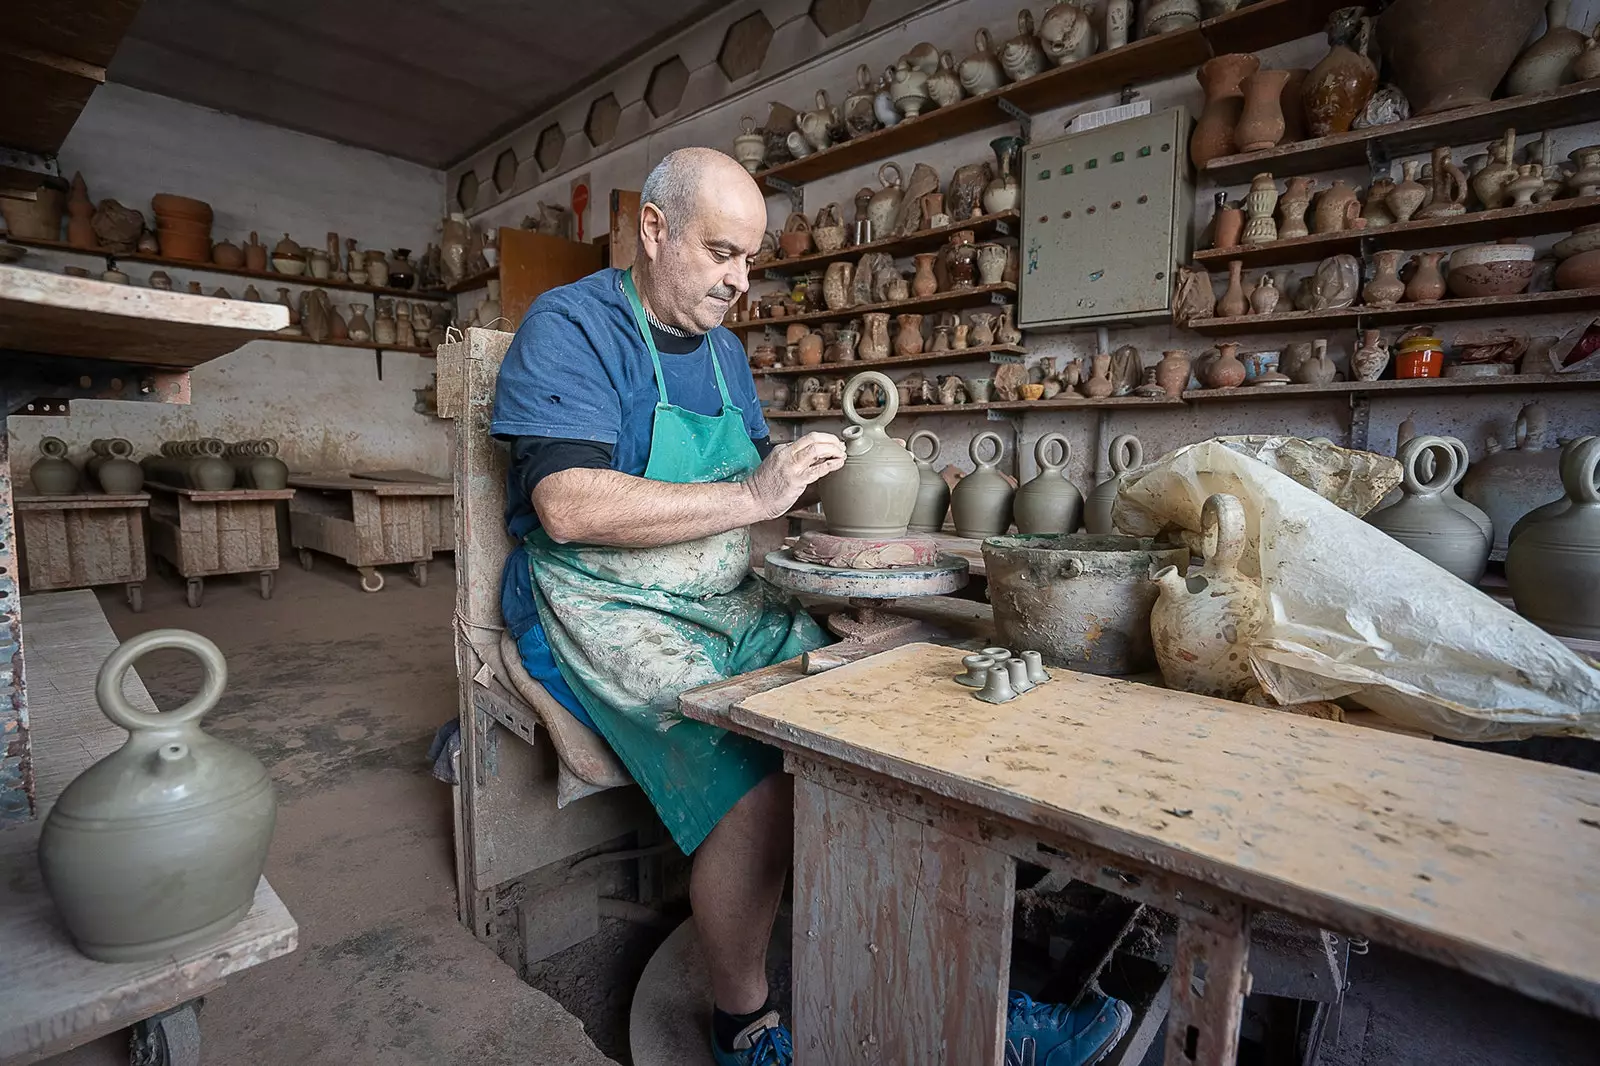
1409, 194
80, 216
1222, 78
923, 282
1225, 371
1262, 125
1125, 453
1370, 358
1338, 87
1048, 503
933, 495
1292, 205
1553, 565
1172, 373
1447, 54
1259, 202
908, 335
1385, 289
980, 504
836, 285
874, 344
1424, 522
1336, 208
1005, 327
1227, 225
875, 491
810, 349
1427, 282
1099, 385
1234, 303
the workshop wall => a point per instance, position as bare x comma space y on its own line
325, 405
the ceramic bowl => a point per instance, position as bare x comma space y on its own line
1503, 278
1474, 254
288, 264
1583, 239
1582, 271
165, 203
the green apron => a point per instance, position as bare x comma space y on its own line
632, 628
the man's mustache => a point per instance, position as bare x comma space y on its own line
723, 292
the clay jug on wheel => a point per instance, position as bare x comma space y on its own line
875, 491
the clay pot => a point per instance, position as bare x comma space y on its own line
828, 232
810, 349
1005, 190
113, 467
1587, 66
1262, 125
933, 495
1450, 190
1172, 373
1067, 33
1049, 503
1225, 371
944, 85
1548, 62
1264, 297
857, 109
227, 254
1543, 511
40, 218
1124, 454
1098, 385
1337, 208
1226, 225
885, 202
961, 261
750, 146
1222, 78
1385, 289
1259, 202
53, 474
980, 503
981, 334
1480, 270
1338, 87
1424, 522
1553, 565
991, 263
876, 490
1022, 56
908, 335
923, 282
908, 87
1427, 283
874, 343
1005, 328
1370, 358
1234, 304
1508, 483
1203, 624
1316, 368
1489, 182
1580, 271
836, 285
981, 71
359, 329
842, 349
1452, 53
1408, 195
795, 240
1292, 205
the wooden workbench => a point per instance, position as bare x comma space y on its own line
914, 801
369, 522
82, 540
204, 534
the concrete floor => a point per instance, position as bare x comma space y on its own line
339, 692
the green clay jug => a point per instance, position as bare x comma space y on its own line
933, 495
1553, 565
113, 468
1049, 503
873, 494
159, 846
53, 474
981, 502
1424, 521
1125, 454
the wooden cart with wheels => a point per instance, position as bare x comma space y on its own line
82, 540
203, 534
367, 522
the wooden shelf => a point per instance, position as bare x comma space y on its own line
240, 272
1567, 106
1533, 303
1392, 387
371, 346
1057, 404
476, 281
960, 355
1106, 73
1476, 226
955, 299
1003, 224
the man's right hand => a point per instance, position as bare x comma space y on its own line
789, 468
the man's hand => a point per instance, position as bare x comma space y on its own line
789, 468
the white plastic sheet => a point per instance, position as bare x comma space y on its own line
1354, 613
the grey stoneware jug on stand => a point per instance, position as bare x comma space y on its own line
159, 846
1554, 507
1424, 521
53, 474
1049, 503
1125, 454
112, 466
980, 503
1553, 565
933, 495
874, 493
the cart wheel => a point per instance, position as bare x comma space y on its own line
136, 598
419, 573
371, 581
196, 590
305, 558
266, 584
170, 1039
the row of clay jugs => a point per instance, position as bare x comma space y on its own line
1049, 503
1424, 521
159, 846
1125, 453
980, 504
258, 465
53, 474
875, 492
194, 464
933, 495
1507, 483
1553, 566
112, 466
1204, 623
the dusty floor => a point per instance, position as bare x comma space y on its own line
338, 692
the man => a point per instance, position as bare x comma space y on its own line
639, 460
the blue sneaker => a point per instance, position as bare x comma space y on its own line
1049, 1034
764, 1042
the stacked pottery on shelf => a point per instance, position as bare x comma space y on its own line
183, 227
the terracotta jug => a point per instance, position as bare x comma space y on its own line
1449, 194
1225, 371
1261, 125
924, 283
874, 336
53, 474
1554, 565
1125, 453
1338, 87
1337, 208
1204, 623
360, 330
795, 240
1508, 483
1264, 297
1385, 289
1427, 283
1222, 78
171, 799
980, 503
1049, 503
810, 349
1447, 54
1316, 368
982, 332
933, 495
836, 285
908, 335
1172, 373
113, 467
1234, 303
885, 202
1409, 194
842, 349
1292, 205
1424, 522
1227, 224
1098, 385
875, 491
1371, 358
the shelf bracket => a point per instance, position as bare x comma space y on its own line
795, 193
379, 354
1360, 419
1379, 164
1023, 118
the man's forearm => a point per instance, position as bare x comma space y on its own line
587, 506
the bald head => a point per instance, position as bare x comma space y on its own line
701, 220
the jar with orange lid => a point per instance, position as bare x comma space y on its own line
1419, 357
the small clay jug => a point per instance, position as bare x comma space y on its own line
1049, 503
53, 474
1336, 207
1554, 565
842, 349
908, 335
1408, 194
1022, 56
811, 349
795, 240
1548, 62
1098, 385
944, 85
1005, 328
1225, 371
836, 285
1204, 623
1264, 297
1489, 183
1337, 88
981, 72
1375, 211
1449, 195
885, 202
980, 503
1427, 283
115, 469
1172, 373
172, 800
1424, 522
1125, 453
991, 263
1222, 77
857, 109
924, 283
1544, 510
1315, 369
876, 490
1234, 303
1261, 126
874, 343
933, 495
1385, 289
982, 333
360, 330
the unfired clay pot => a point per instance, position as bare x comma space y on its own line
980, 503
875, 491
1049, 503
53, 473
113, 468
1424, 522
1125, 453
158, 847
1544, 510
933, 495
1554, 565
1172, 373
1508, 483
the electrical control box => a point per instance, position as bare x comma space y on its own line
1106, 219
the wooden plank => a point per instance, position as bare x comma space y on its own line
532, 263
902, 938
86, 31
1065, 404
61, 315
977, 295
1461, 856
41, 96
955, 355
625, 228
1003, 223
25, 502
221, 496
1528, 303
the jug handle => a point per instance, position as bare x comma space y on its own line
1042, 448
1126, 453
108, 685
927, 435
891, 392
1578, 469
1222, 530
899, 175
1463, 458
999, 449
1443, 476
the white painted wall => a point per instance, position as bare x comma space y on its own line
325, 405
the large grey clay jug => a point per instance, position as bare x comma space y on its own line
158, 847
208, 470
53, 474
1508, 483
1125, 454
1554, 507
118, 474
1424, 521
1554, 566
980, 503
875, 491
1049, 503
933, 495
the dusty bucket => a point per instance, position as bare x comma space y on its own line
1081, 600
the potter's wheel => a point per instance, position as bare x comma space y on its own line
868, 591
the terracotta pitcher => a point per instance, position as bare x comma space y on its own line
1222, 78
1554, 565
933, 495
908, 335
1049, 503
924, 283
875, 491
1339, 86
1125, 453
874, 336
980, 503
1261, 126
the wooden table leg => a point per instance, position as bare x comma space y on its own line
902, 938
1203, 1027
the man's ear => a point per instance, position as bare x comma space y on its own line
652, 229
